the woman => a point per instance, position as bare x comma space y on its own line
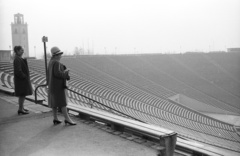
23, 86
57, 77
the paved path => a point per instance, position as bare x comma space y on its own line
35, 135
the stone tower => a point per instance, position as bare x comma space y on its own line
20, 33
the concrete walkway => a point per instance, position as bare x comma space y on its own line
35, 135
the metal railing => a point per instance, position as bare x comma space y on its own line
35, 92
91, 101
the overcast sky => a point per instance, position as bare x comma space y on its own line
125, 26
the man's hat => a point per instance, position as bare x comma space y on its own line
56, 51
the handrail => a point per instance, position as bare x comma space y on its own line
35, 92
89, 102
104, 105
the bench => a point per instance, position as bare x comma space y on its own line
166, 138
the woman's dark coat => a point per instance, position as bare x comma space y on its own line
56, 84
23, 86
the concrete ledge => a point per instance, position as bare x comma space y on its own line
32, 98
9, 91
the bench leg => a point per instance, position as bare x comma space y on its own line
117, 127
84, 116
169, 142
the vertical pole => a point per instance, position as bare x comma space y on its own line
45, 55
45, 39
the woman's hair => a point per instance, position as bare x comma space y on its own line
17, 48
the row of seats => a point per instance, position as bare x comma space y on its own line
179, 70
228, 62
136, 105
37, 77
121, 74
81, 73
166, 115
203, 65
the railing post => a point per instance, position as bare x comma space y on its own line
35, 92
45, 39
